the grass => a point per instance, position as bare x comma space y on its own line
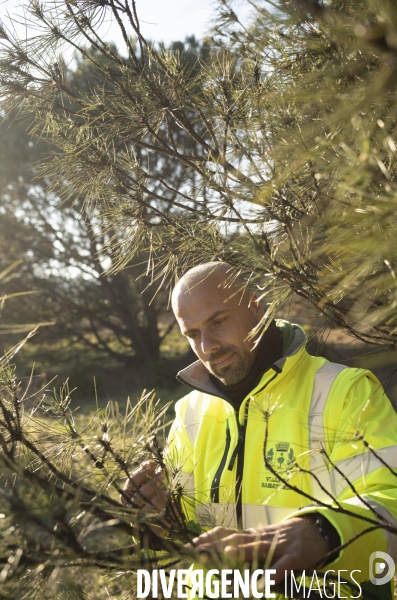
97, 379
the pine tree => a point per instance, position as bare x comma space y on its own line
284, 128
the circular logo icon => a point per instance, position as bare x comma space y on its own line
378, 561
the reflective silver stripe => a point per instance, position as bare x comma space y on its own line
323, 380
213, 514
254, 515
359, 466
186, 481
198, 404
382, 512
260, 515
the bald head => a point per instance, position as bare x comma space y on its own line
219, 275
216, 315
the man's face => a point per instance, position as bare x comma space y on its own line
217, 326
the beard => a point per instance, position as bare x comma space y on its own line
236, 370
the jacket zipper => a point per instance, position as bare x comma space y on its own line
217, 479
238, 453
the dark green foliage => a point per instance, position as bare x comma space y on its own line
274, 149
61, 519
64, 259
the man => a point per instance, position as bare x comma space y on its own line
282, 452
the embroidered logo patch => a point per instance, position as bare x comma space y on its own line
281, 458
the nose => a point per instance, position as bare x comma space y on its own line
209, 342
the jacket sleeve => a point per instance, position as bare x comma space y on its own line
361, 455
179, 455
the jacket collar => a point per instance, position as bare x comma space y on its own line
197, 377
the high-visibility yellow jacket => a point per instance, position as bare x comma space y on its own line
310, 432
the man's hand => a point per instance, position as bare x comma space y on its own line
295, 544
145, 488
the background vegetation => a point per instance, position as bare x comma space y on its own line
271, 144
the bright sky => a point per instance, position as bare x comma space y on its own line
161, 20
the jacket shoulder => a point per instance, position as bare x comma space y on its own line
350, 376
342, 375
182, 404
193, 400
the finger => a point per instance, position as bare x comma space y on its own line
149, 490
283, 564
141, 476
213, 535
136, 480
218, 546
254, 551
157, 502
124, 501
161, 499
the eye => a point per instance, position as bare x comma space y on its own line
192, 335
219, 321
